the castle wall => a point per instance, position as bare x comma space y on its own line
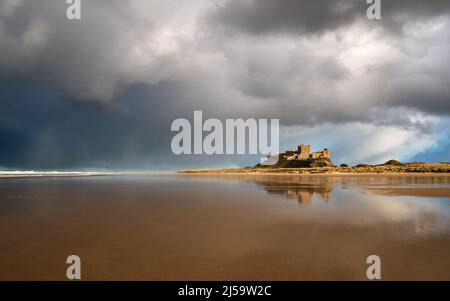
323, 154
316, 155
304, 153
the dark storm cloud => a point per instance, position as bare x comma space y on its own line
116, 44
260, 17
40, 130
272, 16
423, 92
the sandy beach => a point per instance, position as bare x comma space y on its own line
225, 227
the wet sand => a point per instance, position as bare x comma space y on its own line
225, 227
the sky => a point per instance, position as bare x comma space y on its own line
102, 92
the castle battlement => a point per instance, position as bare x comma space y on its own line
304, 153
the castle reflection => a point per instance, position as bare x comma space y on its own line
303, 192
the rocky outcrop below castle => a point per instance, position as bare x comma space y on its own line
308, 163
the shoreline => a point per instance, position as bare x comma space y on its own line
216, 173
429, 169
442, 170
73, 174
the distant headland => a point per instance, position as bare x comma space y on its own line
303, 161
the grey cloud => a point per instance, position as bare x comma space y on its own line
119, 43
114, 45
272, 16
311, 80
262, 17
422, 91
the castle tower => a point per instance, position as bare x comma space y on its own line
327, 153
304, 151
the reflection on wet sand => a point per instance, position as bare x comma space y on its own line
305, 187
304, 193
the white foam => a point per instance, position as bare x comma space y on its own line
35, 173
